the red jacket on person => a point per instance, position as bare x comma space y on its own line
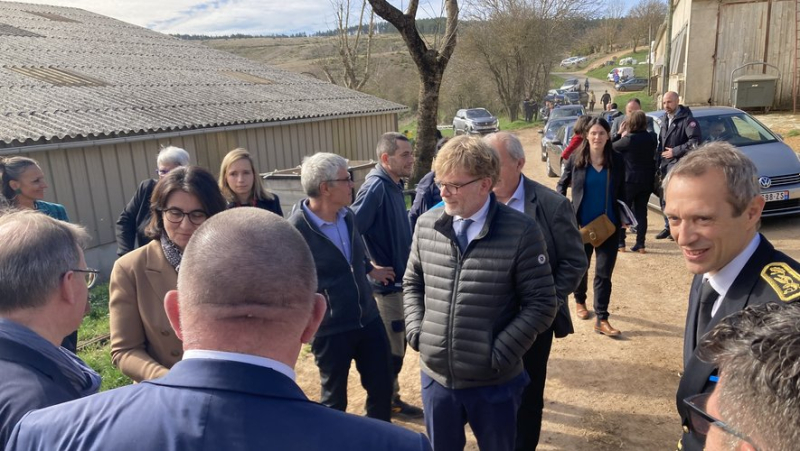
573, 144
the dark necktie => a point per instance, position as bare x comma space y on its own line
461, 233
707, 298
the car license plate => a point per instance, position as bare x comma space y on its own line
778, 195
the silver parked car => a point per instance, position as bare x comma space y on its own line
474, 120
554, 166
778, 165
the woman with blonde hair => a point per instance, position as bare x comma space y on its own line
241, 185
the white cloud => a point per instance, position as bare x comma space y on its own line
219, 17
213, 16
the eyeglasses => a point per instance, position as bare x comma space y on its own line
702, 421
162, 172
175, 216
454, 187
90, 275
349, 178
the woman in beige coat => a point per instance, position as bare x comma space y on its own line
143, 344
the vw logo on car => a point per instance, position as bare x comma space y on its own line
765, 182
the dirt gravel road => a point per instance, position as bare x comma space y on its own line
604, 394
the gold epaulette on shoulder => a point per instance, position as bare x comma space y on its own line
783, 279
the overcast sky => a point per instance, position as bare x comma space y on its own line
224, 16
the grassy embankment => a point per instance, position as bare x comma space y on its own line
98, 355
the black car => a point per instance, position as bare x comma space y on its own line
567, 110
549, 131
577, 98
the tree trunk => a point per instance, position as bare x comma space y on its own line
431, 64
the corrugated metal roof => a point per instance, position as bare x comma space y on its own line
153, 82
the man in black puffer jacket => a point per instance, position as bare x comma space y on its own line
478, 290
352, 328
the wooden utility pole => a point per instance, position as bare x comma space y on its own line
667, 49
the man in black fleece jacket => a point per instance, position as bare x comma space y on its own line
352, 328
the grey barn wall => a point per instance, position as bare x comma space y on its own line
95, 182
743, 35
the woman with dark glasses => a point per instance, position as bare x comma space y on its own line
143, 345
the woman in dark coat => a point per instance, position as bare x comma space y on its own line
596, 174
241, 185
638, 148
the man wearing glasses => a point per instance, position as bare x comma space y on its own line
756, 403
43, 297
478, 292
352, 328
714, 217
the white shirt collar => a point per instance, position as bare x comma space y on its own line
280, 367
517, 200
478, 220
722, 281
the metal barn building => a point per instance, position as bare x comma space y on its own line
712, 38
93, 99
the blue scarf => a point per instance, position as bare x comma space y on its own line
85, 380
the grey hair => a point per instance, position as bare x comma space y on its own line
319, 168
741, 174
387, 144
513, 144
173, 155
11, 168
37, 250
758, 353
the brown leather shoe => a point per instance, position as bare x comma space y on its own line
580, 311
603, 327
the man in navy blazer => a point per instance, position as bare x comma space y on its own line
244, 306
714, 217
44, 287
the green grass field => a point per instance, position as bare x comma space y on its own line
639, 70
648, 103
98, 356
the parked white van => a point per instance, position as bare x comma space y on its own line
624, 73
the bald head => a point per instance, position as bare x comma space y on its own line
247, 256
246, 271
670, 102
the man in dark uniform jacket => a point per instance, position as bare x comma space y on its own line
679, 134
714, 218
